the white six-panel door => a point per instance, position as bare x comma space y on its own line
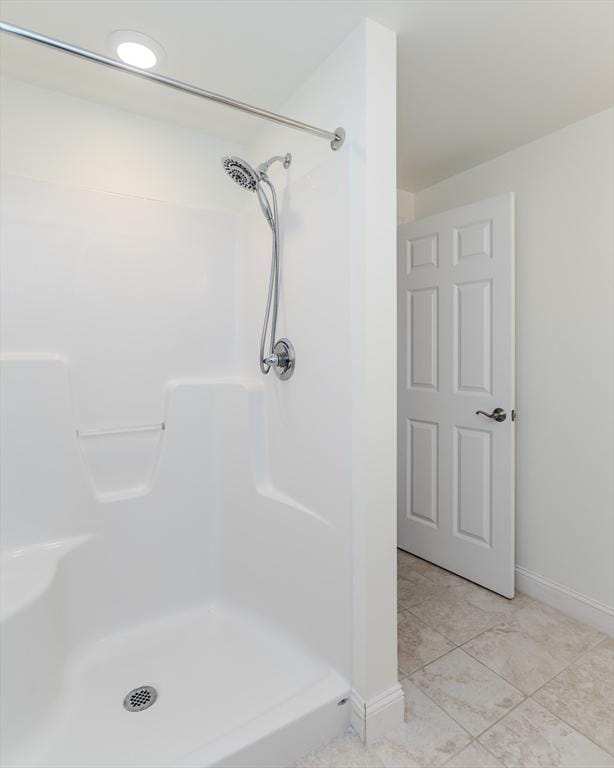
456, 356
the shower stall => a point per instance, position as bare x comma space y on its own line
197, 559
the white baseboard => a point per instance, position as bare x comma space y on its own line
372, 719
566, 600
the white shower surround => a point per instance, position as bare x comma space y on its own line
241, 559
338, 257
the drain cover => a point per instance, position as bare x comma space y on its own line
140, 698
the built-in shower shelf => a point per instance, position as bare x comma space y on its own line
121, 461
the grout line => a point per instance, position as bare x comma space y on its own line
432, 581
419, 669
490, 752
565, 666
456, 754
547, 682
494, 671
496, 674
462, 598
475, 739
420, 619
515, 707
458, 645
488, 727
590, 650
501, 623
573, 727
475, 742
415, 605
441, 709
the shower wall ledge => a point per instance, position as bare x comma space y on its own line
28, 573
116, 462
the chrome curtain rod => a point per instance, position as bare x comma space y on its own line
336, 137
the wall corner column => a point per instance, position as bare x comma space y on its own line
377, 697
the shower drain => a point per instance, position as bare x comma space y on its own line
140, 698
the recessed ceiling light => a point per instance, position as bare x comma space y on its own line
137, 55
136, 49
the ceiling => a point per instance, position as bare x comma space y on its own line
476, 78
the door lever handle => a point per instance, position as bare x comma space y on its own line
497, 415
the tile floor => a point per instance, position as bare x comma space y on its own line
489, 682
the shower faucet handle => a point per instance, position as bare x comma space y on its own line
282, 359
272, 360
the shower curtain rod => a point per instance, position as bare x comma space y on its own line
336, 137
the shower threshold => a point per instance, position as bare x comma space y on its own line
232, 690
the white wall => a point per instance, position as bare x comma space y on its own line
118, 251
406, 206
333, 425
55, 137
564, 255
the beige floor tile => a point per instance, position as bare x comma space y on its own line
583, 695
407, 564
441, 577
454, 617
490, 602
568, 638
406, 557
415, 589
347, 751
530, 646
428, 737
469, 692
532, 736
418, 643
608, 643
511, 652
533, 647
474, 756
406, 568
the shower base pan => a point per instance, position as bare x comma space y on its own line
231, 691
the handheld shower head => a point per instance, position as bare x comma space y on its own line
280, 355
241, 172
